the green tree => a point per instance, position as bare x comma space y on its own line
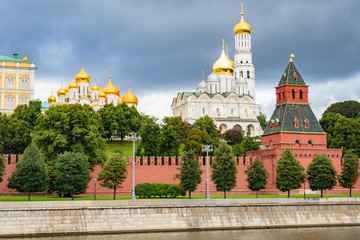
195, 140
171, 136
109, 120
129, 120
190, 173
233, 136
349, 109
289, 172
28, 113
262, 120
321, 173
256, 176
224, 169
113, 173
150, 137
72, 174
207, 124
350, 171
31, 173
2, 167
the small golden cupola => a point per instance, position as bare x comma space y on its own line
73, 85
82, 76
52, 98
101, 93
110, 88
95, 88
242, 26
223, 64
130, 98
61, 91
67, 88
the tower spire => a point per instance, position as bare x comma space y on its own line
223, 43
203, 76
227, 50
291, 56
242, 9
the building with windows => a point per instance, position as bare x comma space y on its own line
16, 82
81, 91
228, 95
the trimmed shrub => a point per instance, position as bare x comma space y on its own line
160, 190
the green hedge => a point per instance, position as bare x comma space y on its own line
160, 190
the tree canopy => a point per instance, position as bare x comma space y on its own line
350, 170
256, 176
262, 120
114, 172
321, 173
224, 169
31, 173
289, 172
2, 167
207, 124
349, 109
233, 136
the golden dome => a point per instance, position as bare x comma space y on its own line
52, 98
82, 76
61, 91
120, 99
223, 64
110, 89
73, 85
242, 26
101, 94
95, 88
67, 88
130, 98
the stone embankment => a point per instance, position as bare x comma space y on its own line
92, 217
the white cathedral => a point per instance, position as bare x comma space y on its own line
228, 95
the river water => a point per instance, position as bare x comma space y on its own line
333, 233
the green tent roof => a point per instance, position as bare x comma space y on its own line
12, 59
288, 76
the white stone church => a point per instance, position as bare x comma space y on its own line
228, 95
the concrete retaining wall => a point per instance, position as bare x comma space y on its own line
90, 217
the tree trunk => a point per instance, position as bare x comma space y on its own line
288, 193
29, 196
114, 193
350, 192
72, 197
257, 194
225, 194
189, 195
321, 193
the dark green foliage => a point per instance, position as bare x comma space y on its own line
109, 121
262, 120
248, 144
233, 136
160, 190
2, 167
28, 113
72, 173
128, 118
349, 109
289, 172
190, 173
113, 174
321, 173
31, 173
150, 137
207, 124
350, 171
224, 169
195, 140
256, 176
171, 135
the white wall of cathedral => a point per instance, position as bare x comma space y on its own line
243, 42
114, 99
73, 94
83, 88
94, 95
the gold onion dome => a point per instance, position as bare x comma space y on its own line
101, 94
61, 91
130, 98
73, 85
52, 98
242, 26
223, 64
82, 76
95, 88
110, 89
67, 88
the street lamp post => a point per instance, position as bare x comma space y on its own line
134, 138
207, 149
95, 188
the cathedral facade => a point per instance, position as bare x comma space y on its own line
228, 94
81, 91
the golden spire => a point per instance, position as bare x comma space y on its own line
203, 76
223, 43
291, 56
227, 50
242, 26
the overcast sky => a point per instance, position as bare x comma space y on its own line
162, 46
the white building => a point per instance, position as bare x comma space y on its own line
228, 95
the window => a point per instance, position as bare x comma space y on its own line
83, 90
241, 73
232, 111
279, 95
248, 74
297, 141
10, 83
9, 103
283, 94
293, 94
218, 111
203, 110
240, 61
296, 123
307, 123
24, 84
301, 94
23, 100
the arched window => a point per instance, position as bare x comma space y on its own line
241, 73
301, 94
248, 74
297, 141
283, 94
293, 94
279, 95
10, 83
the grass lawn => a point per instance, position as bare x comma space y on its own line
128, 197
125, 147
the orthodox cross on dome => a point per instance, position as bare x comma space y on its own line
83, 64
291, 56
223, 43
227, 50
129, 85
242, 8
203, 76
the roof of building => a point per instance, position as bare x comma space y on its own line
14, 58
291, 76
285, 115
